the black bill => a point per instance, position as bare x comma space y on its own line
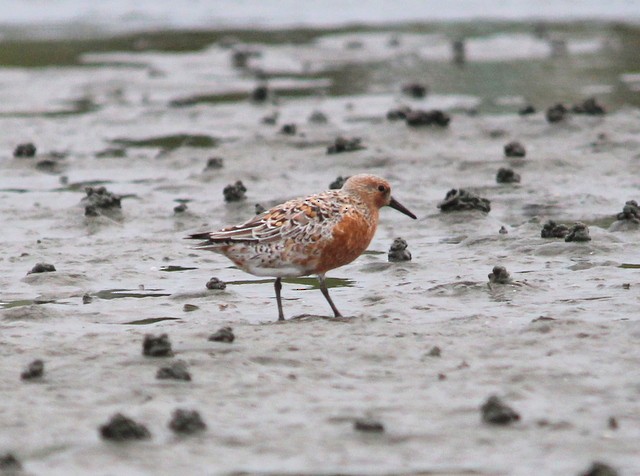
401, 208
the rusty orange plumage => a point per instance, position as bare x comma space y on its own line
305, 236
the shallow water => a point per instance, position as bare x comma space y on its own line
283, 397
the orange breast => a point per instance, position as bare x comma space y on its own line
350, 238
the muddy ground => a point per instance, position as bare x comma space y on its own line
558, 342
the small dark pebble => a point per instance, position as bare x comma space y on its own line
49, 165
626, 285
338, 182
505, 175
354, 45
495, 412
259, 209
342, 144
121, 428
458, 200
558, 47
442, 376
318, 117
436, 117
25, 150
435, 351
35, 370
368, 425
91, 211
42, 268
503, 230
415, 90
398, 114
260, 94
630, 211
578, 232
176, 371
214, 163
180, 208
543, 319
239, 58
186, 422
393, 42
398, 251
514, 149
87, 298
556, 113
612, 423
98, 198
9, 464
216, 283
499, 275
270, 119
190, 308
157, 346
224, 334
111, 152
234, 192
459, 53
551, 229
600, 469
526, 110
588, 106
288, 129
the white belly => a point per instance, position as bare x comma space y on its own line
280, 272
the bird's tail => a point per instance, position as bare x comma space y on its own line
199, 236
209, 241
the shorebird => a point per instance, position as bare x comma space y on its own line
306, 236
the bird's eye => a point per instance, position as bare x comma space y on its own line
382, 188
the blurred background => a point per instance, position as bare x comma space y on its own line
504, 53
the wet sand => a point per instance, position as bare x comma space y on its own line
557, 343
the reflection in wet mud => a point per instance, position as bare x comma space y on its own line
311, 282
151, 320
128, 293
169, 142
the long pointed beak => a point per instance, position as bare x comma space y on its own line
401, 208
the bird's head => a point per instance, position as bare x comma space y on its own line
374, 190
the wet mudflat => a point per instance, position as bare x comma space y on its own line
89, 273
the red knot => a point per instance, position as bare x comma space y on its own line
306, 236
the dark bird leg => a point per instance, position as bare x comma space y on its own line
325, 293
278, 286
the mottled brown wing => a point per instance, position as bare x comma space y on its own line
312, 216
